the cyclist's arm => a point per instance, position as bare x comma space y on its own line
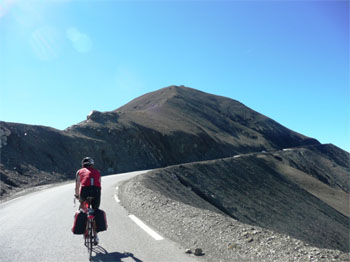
77, 184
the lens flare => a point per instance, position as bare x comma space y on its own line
45, 43
80, 41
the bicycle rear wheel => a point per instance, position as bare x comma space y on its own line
91, 239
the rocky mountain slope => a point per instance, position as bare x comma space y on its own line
271, 206
170, 126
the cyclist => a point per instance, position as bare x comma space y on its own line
88, 184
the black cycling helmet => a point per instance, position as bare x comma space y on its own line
87, 161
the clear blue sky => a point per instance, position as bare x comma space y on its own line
288, 60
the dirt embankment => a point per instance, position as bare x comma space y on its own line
242, 209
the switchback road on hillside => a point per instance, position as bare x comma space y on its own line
37, 227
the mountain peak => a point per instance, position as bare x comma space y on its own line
157, 98
187, 110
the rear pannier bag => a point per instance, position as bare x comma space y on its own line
80, 221
101, 220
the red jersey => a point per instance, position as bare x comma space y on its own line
89, 176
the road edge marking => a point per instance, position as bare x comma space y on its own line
116, 198
11, 200
116, 194
146, 228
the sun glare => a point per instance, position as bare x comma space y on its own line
5, 6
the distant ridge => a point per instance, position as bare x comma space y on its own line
173, 125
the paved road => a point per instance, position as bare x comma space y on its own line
37, 227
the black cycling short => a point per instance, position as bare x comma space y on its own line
91, 191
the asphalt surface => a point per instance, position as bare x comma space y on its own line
37, 227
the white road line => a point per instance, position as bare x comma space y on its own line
116, 194
6, 202
132, 173
152, 233
116, 198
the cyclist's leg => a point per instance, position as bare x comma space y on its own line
81, 201
96, 191
97, 198
96, 240
83, 195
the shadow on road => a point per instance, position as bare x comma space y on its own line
103, 255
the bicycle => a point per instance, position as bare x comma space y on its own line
89, 235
